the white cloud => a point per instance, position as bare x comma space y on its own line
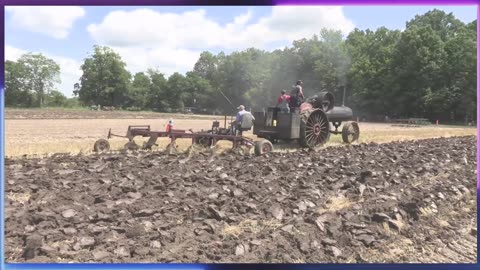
166, 60
146, 27
292, 22
193, 29
53, 21
286, 24
172, 41
69, 68
12, 53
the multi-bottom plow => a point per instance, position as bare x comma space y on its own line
204, 138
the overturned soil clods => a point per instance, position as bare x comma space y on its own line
409, 201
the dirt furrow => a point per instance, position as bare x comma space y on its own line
409, 201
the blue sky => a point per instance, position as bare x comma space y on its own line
171, 38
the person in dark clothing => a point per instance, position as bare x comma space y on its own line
296, 96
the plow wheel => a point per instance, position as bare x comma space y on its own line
350, 132
239, 150
315, 130
205, 141
263, 147
101, 145
171, 149
242, 149
132, 146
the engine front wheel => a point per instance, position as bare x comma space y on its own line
350, 132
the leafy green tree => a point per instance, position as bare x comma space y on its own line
72, 103
40, 74
435, 59
242, 79
370, 76
459, 71
139, 89
176, 92
443, 24
285, 67
332, 63
232, 81
206, 66
156, 96
199, 93
56, 99
17, 94
105, 80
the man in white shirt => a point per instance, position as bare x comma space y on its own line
243, 121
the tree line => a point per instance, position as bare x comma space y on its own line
30, 82
427, 70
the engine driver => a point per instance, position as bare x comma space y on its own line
243, 121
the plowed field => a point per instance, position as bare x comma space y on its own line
411, 201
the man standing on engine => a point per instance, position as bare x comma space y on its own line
296, 97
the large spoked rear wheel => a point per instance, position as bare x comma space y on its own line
263, 147
350, 132
315, 130
101, 145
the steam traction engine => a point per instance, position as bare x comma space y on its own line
309, 124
